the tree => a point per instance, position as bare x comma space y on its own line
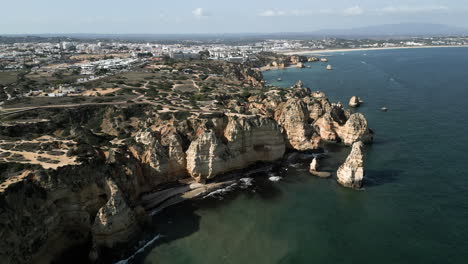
204, 54
101, 71
76, 71
58, 74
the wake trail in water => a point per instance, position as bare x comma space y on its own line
139, 251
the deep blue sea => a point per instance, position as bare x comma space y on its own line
414, 208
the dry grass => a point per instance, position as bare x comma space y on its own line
10, 151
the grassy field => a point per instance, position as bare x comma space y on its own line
44, 77
8, 77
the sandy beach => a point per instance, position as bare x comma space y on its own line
318, 52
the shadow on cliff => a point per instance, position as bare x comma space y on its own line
380, 177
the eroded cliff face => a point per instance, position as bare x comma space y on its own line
355, 129
293, 117
50, 211
115, 222
247, 140
120, 153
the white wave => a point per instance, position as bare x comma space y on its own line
218, 193
139, 251
275, 178
246, 182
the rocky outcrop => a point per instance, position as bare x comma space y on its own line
327, 127
248, 140
163, 155
138, 149
295, 59
115, 222
351, 173
278, 64
355, 129
293, 117
314, 170
299, 84
354, 101
249, 76
206, 156
51, 211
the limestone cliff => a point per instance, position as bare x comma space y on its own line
115, 222
293, 117
248, 140
50, 211
355, 129
115, 154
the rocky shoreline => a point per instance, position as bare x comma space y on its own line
130, 162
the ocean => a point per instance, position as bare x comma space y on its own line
413, 209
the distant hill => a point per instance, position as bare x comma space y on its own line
377, 31
396, 30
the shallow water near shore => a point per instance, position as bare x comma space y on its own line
414, 208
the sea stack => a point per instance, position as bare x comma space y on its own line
314, 166
355, 101
351, 173
299, 84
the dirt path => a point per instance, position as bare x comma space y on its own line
23, 109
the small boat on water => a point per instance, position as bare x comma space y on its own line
329, 67
279, 79
384, 109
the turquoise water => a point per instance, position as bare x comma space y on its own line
414, 208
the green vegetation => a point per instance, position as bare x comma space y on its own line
8, 77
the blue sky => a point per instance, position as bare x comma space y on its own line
219, 16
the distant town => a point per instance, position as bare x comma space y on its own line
59, 67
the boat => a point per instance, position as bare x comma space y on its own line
279, 79
384, 109
329, 67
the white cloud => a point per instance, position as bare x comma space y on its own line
272, 13
200, 12
353, 11
268, 13
413, 9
